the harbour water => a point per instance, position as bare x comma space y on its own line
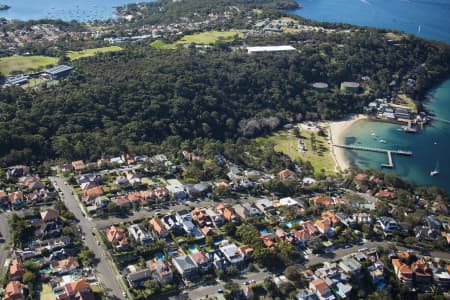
429, 146
81, 10
425, 18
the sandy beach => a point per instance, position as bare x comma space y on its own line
337, 129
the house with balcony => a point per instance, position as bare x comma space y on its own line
186, 267
161, 271
140, 234
202, 260
403, 272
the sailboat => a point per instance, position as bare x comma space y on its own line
418, 29
435, 172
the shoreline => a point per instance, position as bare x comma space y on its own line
337, 130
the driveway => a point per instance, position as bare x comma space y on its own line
106, 270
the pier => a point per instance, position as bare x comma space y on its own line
388, 152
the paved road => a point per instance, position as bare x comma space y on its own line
210, 290
107, 273
6, 233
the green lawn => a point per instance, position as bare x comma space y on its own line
23, 64
287, 143
47, 292
409, 103
201, 38
162, 45
210, 37
91, 52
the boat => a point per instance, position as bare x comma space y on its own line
435, 172
373, 133
383, 141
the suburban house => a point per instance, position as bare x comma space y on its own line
216, 218
92, 193
158, 227
324, 226
14, 290
171, 224
343, 290
350, 265
265, 205
246, 210
176, 189
117, 237
232, 253
376, 272
228, 213
403, 271
49, 215
301, 236
16, 198
422, 272
80, 286
202, 260
186, 267
16, 269
140, 234
136, 277
321, 289
388, 224
161, 271
78, 166
65, 266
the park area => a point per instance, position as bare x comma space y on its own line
21, 64
202, 38
310, 146
91, 52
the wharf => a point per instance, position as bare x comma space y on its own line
388, 152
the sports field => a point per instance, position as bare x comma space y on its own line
91, 52
25, 64
202, 38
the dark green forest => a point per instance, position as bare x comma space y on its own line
135, 100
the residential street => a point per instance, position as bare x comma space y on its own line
6, 233
210, 290
107, 273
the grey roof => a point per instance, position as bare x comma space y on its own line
139, 275
184, 262
58, 69
17, 79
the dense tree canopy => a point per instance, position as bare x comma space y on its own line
134, 100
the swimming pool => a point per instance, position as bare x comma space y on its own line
45, 271
288, 224
192, 248
263, 231
159, 255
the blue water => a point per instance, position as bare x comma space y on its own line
433, 16
428, 146
81, 10
159, 255
192, 248
264, 231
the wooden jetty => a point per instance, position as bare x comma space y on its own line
388, 152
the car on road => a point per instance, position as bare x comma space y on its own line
98, 243
246, 282
253, 281
83, 237
220, 291
347, 246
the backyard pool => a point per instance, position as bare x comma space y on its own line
159, 255
192, 248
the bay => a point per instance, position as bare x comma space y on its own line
429, 146
80, 10
425, 18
